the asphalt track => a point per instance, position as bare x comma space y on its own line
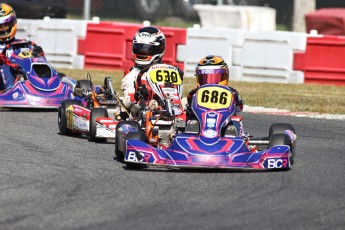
50, 181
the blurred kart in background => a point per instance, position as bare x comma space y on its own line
37, 84
212, 141
37, 9
95, 113
160, 115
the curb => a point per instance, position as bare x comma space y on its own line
284, 112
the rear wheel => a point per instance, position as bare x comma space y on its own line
280, 128
62, 119
136, 136
119, 142
95, 113
84, 84
279, 139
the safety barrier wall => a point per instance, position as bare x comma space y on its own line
253, 56
323, 62
252, 18
109, 45
273, 56
58, 37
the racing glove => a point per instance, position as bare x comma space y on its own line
142, 93
37, 51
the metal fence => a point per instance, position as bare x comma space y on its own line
178, 13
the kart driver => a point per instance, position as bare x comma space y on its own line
8, 29
148, 48
213, 70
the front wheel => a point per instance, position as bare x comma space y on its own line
62, 116
119, 138
136, 136
96, 113
279, 128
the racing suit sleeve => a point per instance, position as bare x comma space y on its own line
189, 111
128, 88
238, 99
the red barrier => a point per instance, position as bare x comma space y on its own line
323, 62
108, 45
327, 21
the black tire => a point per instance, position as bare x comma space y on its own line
61, 75
84, 84
136, 136
280, 128
95, 113
283, 139
62, 120
118, 143
279, 139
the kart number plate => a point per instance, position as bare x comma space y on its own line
214, 98
163, 75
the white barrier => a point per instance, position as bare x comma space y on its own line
58, 38
206, 41
268, 57
252, 18
253, 56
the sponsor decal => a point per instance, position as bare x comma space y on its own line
145, 35
132, 156
276, 163
81, 123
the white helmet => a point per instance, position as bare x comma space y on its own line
148, 46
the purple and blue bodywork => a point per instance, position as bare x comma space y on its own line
41, 86
208, 148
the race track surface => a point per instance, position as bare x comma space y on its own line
50, 181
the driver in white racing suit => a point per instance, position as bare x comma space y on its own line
148, 48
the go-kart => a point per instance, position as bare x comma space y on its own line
214, 143
95, 113
159, 116
37, 83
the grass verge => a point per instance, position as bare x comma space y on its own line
294, 97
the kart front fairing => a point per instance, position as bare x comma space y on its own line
41, 87
188, 151
23, 94
213, 105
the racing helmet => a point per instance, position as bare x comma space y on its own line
148, 46
8, 23
212, 70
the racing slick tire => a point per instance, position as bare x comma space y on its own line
84, 84
62, 119
95, 113
119, 143
141, 135
279, 128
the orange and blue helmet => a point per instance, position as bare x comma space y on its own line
8, 23
212, 70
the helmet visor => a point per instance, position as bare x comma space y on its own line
5, 28
210, 76
145, 49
